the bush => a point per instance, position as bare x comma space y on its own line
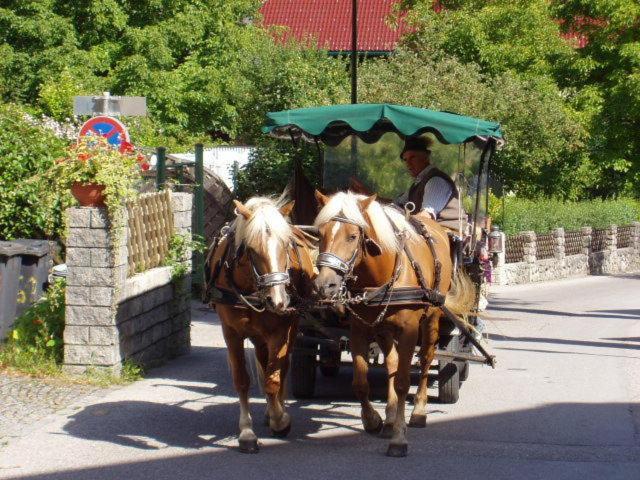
541, 216
35, 343
25, 153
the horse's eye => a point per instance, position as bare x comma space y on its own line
352, 237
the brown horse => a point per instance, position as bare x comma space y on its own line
364, 242
259, 269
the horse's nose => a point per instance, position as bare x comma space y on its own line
279, 304
327, 290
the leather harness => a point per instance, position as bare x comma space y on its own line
388, 294
233, 296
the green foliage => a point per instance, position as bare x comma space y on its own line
179, 253
613, 85
271, 167
35, 343
543, 136
26, 152
541, 216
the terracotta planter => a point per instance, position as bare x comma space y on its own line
88, 195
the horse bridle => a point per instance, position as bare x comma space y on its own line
333, 261
268, 280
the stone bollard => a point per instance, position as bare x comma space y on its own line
530, 248
498, 274
635, 240
97, 270
586, 240
558, 247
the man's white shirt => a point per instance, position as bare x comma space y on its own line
437, 193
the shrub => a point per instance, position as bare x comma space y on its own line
25, 153
35, 343
541, 216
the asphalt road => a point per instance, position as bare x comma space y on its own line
563, 403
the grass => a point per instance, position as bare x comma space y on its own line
39, 366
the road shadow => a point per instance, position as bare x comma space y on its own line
561, 341
563, 440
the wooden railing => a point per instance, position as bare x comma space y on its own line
150, 229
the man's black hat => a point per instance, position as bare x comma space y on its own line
420, 144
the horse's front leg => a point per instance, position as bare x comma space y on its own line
387, 345
409, 328
371, 419
279, 346
235, 348
429, 327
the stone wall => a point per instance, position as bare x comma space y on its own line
111, 318
610, 260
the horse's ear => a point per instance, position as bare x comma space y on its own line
242, 210
322, 199
372, 247
365, 202
285, 210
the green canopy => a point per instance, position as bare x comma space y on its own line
370, 121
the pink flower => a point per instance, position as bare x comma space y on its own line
144, 166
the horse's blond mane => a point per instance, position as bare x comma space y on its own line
266, 220
346, 204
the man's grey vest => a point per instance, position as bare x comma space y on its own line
449, 216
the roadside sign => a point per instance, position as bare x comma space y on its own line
110, 128
107, 104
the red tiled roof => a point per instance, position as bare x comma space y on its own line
329, 22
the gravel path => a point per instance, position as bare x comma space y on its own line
25, 400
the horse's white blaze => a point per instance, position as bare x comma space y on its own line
334, 232
277, 292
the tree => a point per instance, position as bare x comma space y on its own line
611, 91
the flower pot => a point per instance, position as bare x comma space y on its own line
89, 194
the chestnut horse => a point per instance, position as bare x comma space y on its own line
258, 270
363, 242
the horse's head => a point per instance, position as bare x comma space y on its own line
265, 235
343, 228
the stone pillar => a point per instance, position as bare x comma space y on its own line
558, 248
97, 270
635, 240
180, 342
586, 240
530, 254
499, 262
610, 262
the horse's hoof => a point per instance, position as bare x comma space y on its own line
249, 445
281, 433
397, 450
418, 421
387, 431
374, 429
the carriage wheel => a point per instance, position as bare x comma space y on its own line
463, 368
448, 372
329, 361
303, 374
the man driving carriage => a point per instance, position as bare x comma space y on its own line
432, 191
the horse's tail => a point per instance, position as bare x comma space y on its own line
461, 298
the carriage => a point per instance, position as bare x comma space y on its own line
363, 141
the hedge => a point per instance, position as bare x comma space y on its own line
515, 215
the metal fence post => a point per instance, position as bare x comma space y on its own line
198, 258
161, 167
